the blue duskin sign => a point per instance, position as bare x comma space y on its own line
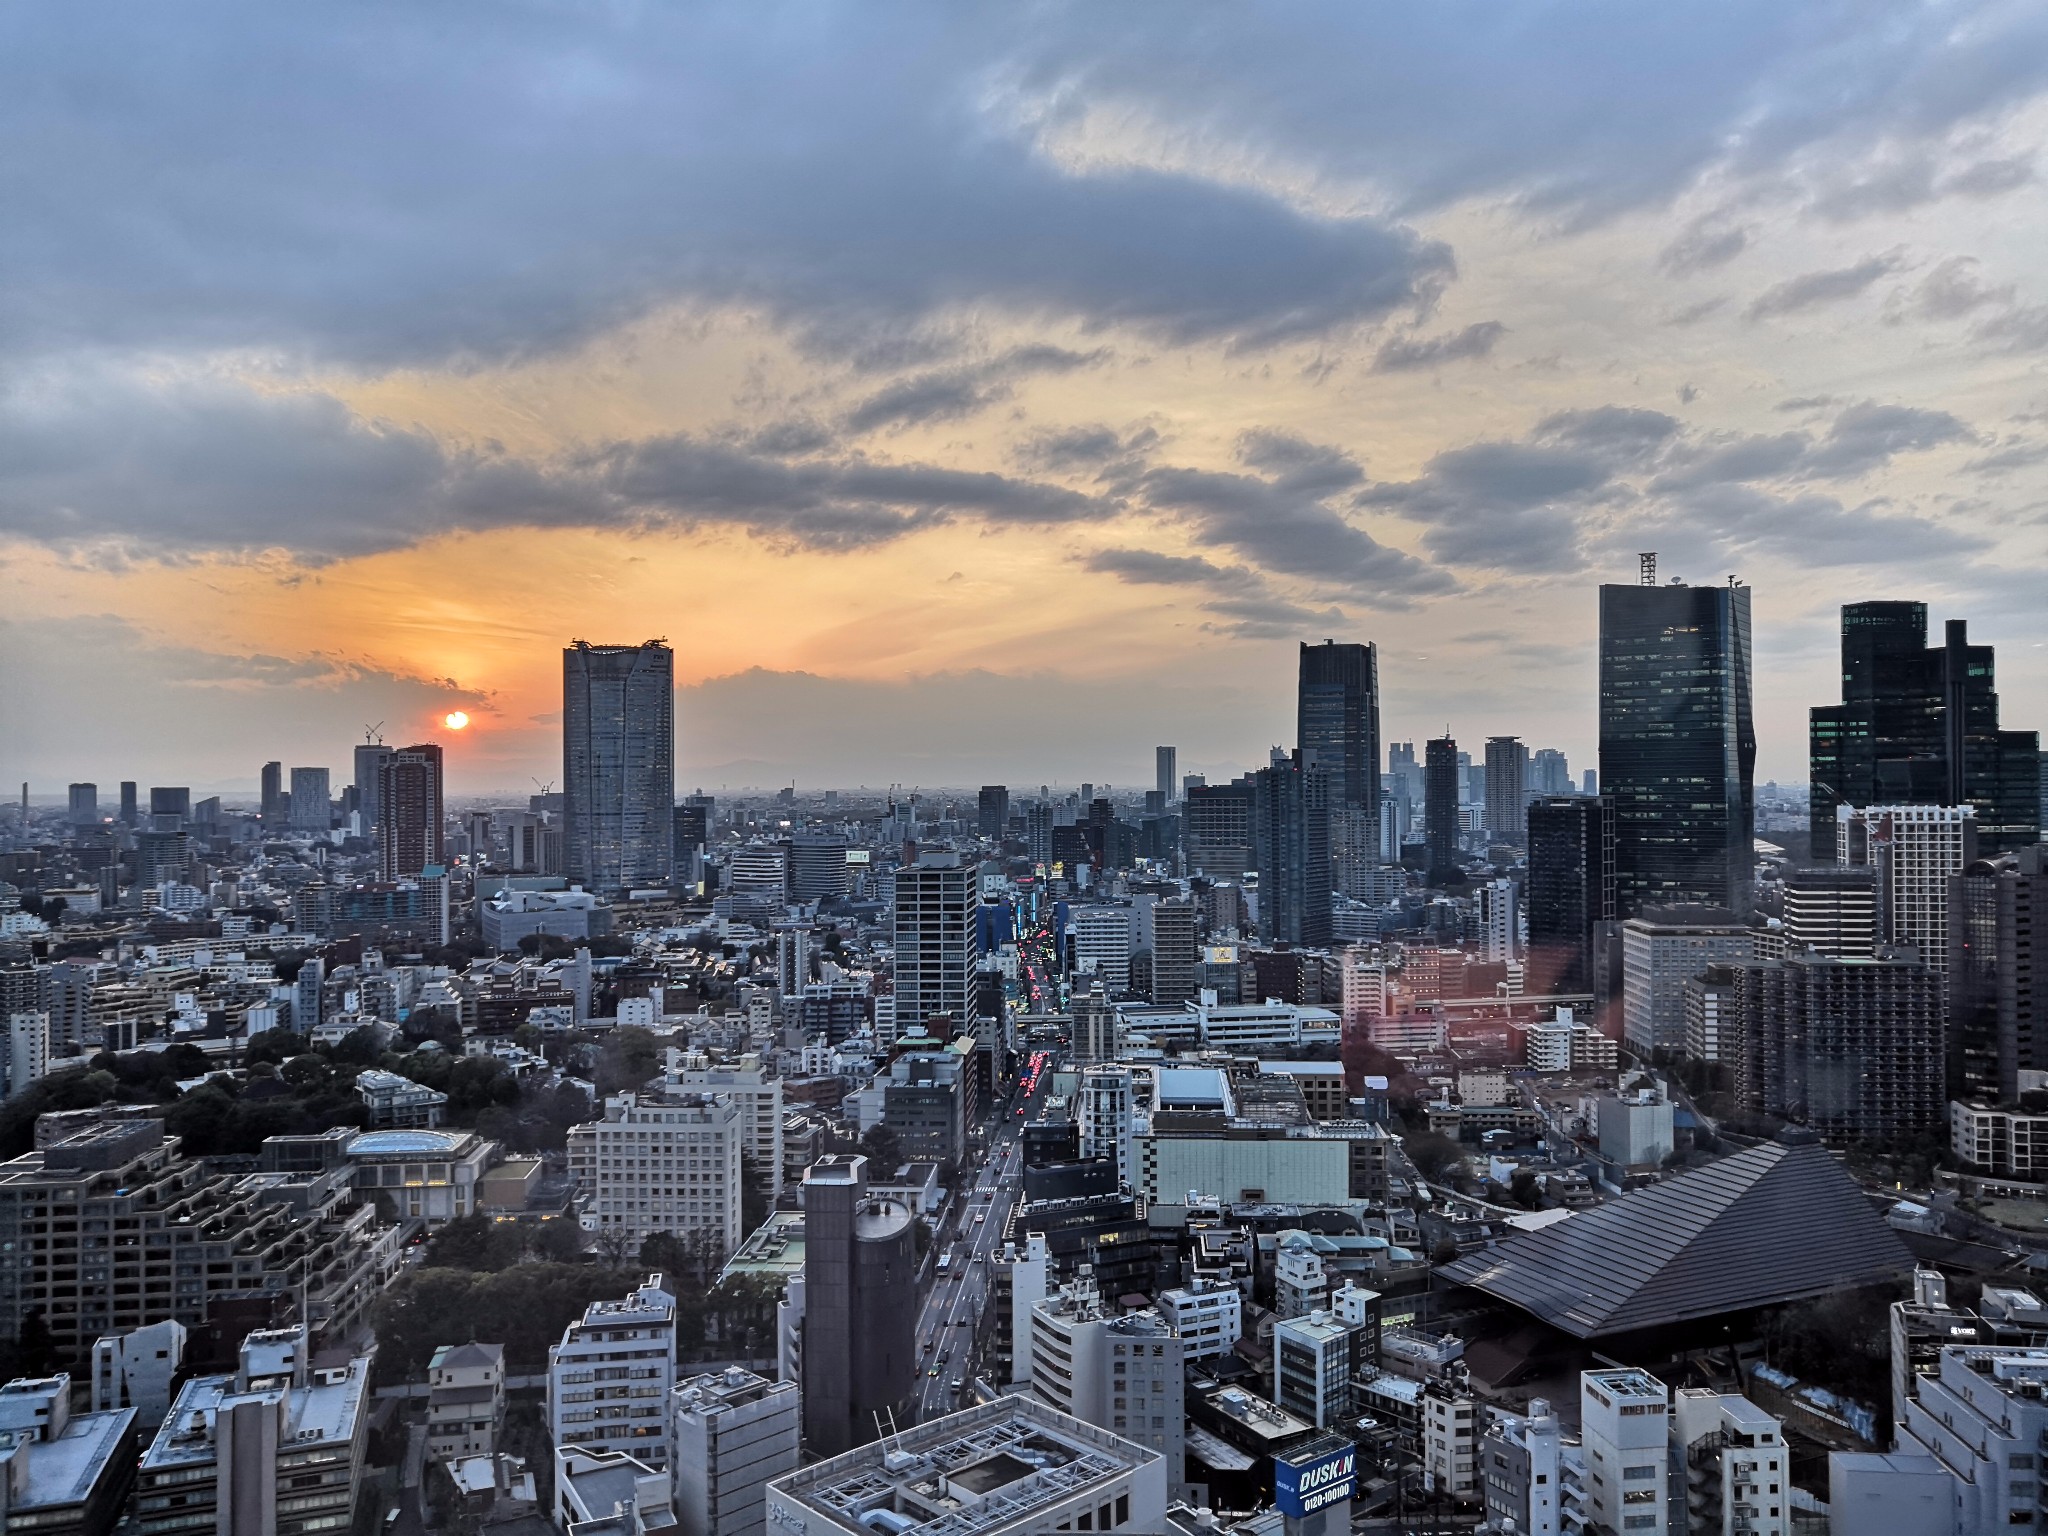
1301, 1487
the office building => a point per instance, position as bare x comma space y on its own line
1624, 1421
275, 803
618, 765
83, 808
748, 1083
1659, 953
28, 1049
860, 1359
730, 1434
131, 814
1337, 722
1677, 743
1315, 1357
1916, 851
1207, 1315
170, 808
936, 940
1832, 909
610, 1377
137, 1369
1549, 774
992, 810
1105, 1116
1038, 827
276, 1449
1124, 1373
1013, 1467
370, 758
408, 815
1292, 836
465, 1400
1976, 1425
1176, 951
1918, 725
1569, 891
691, 826
1494, 920
1444, 854
1217, 828
62, 1474
1997, 1028
817, 867
664, 1162
312, 801
1166, 774
1094, 1033
1521, 1469
1507, 790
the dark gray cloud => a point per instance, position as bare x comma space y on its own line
2009, 457
1721, 525
1950, 291
1408, 354
206, 465
1705, 245
1094, 450
1242, 604
1145, 567
1268, 618
1868, 435
950, 394
1297, 466
1810, 290
2022, 328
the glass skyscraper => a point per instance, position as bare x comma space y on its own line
1678, 745
1292, 838
618, 765
1440, 810
1918, 725
1337, 721
1570, 888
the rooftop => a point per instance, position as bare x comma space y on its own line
324, 1411
775, 1248
63, 1471
409, 1143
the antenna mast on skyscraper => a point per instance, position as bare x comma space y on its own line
1649, 564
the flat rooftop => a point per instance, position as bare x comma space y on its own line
63, 1471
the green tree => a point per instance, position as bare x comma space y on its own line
275, 1046
1432, 1154
627, 1058
1522, 1189
883, 1149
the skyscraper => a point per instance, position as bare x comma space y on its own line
409, 791
1549, 773
1997, 1022
312, 801
937, 940
370, 759
85, 805
1440, 808
1166, 773
860, 1272
1918, 725
273, 802
1292, 838
992, 810
1677, 743
1217, 829
619, 764
1507, 786
130, 812
1570, 891
1337, 721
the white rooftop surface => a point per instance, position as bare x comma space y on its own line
62, 1471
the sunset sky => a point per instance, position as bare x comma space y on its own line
989, 392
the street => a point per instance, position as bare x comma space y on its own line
947, 1327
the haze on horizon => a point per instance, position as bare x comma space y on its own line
989, 395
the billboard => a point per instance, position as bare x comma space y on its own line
1305, 1483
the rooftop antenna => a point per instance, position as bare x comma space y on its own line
373, 735
1648, 560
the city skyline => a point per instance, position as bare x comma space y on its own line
889, 483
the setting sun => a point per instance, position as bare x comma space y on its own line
455, 720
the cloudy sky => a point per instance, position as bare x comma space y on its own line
990, 391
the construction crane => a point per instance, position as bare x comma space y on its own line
373, 735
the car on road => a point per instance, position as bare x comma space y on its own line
957, 1383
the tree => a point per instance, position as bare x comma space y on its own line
628, 1057
754, 1193
275, 1046
1432, 1154
1522, 1189
1444, 1252
883, 1149
614, 1246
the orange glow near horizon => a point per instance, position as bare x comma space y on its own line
456, 720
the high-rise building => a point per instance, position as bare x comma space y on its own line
1292, 836
664, 1162
1507, 789
130, 813
1852, 1048
1119, 1372
610, 1377
1099, 944
1440, 809
1549, 774
936, 940
817, 867
370, 758
1660, 951
692, 832
1677, 743
1166, 773
619, 764
1918, 725
730, 1432
1104, 1115
992, 809
1916, 850
1176, 951
1570, 889
1832, 910
28, 1050
170, 809
1038, 822
408, 800
1217, 822
1494, 904
84, 807
1998, 1023
312, 802
1337, 721
859, 1340
274, 804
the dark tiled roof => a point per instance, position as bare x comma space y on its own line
1769, 1225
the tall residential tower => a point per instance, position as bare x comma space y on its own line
618, 764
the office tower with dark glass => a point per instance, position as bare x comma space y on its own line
1440, 809
1997, 1021
1337, 721
273, 800
1292, 836
618, 764
1166, 774
1570, 889
370, 758
312, 800
992, 810
1677, 743
1918, 725
409, 791
130, 813
84, 807
1216, 826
